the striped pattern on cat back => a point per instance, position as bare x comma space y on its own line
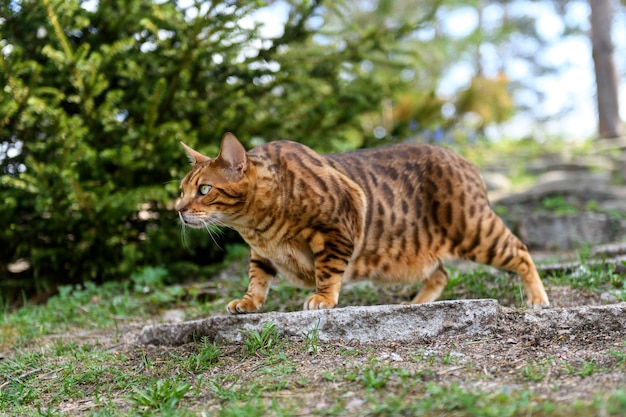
389, 214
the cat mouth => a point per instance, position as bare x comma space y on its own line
192, 221
195, 222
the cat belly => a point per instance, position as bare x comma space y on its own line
298, 267
292, 261
300, 277
385, 269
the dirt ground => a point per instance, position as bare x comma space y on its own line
564, 367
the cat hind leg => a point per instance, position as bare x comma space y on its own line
502, 249
432, 286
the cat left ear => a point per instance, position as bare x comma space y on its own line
195, 157
233, 154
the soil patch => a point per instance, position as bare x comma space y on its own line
552, 362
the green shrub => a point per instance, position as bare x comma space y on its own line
96, 102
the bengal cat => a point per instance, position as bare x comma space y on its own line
390, 214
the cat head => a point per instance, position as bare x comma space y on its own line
215, 189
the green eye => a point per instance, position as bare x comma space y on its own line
204, 189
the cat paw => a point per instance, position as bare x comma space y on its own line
538, 303
319, 302
243, 306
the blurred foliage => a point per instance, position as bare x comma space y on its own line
96, 97
96, 100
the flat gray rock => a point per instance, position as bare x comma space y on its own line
607, 318
568, 231
393, 322
365, 324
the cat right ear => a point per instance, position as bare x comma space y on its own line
233, 154
195, 157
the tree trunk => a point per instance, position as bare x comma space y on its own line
609, 123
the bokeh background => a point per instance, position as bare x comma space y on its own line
97, 96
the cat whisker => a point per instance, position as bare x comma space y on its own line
220, 224
212, 232
183, 231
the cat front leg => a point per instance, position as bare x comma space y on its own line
261, 274
331, 261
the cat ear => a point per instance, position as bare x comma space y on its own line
195, 157
233, 154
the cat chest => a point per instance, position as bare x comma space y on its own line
293, 259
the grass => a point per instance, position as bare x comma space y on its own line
162, 395
207, 355
262, 342
536, 371
311, 340
49, 369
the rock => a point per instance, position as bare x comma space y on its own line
562, 179
568, 231
580, 164
567, 209
463, 318
581, 187
496, 181
363, 324
354, 403
606, 318
174, 316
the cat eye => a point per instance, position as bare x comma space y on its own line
204, 189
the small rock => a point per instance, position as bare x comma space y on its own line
174, 316
396, 358
354, 403
608, 298
496, 181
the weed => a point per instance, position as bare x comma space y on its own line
148, 278
207, 355
587, 368
329, 376
221, 388
423, 355
311, 339
350, 352
285, 297
49, 412
473, 403
451, 357
559, 205
480, 283
360, 294
254, 407
262, 342
620, 357
160, 394
614, 404
150, 281
278, 366
375, 378
536, 371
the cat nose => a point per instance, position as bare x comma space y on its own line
180, 207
